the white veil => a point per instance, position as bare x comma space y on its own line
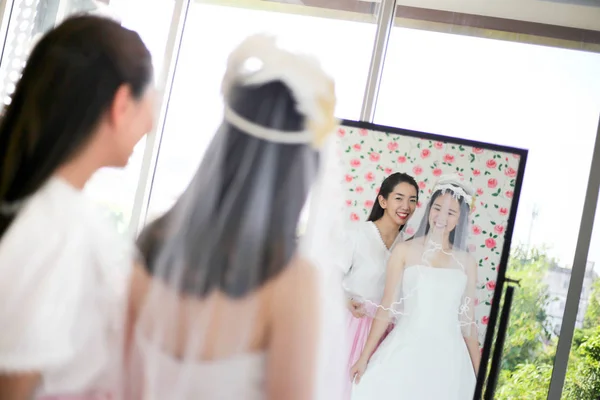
215, 259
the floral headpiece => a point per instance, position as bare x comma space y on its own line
313, 90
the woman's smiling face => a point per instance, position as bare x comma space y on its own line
444, 213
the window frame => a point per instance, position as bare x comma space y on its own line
386, 20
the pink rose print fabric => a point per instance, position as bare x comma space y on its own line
370, 156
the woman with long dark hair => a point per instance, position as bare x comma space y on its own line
84, 100
367, 249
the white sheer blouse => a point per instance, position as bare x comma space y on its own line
364, 261
64, 275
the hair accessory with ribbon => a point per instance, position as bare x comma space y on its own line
258, 60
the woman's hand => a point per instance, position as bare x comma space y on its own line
356, 308
357, 370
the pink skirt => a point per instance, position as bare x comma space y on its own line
358, 329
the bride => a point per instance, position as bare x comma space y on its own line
228, 304
433, 352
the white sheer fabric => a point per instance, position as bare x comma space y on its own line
214, 323
65, 275
364, 261
321, 245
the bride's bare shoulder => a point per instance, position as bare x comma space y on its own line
299, 274
467, 259
401, 248
294, 293
412, 244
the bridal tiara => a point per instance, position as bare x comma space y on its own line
457, 191
457, 186
312, 89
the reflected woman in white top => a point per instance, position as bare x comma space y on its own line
368, 246
84, 100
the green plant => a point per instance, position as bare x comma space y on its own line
529, 348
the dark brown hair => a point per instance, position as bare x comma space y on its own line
228, 251
387, 187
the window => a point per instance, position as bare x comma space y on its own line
342, 40
520, 95
581, 381
114, 189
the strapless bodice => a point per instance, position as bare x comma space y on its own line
432, 298
238, 377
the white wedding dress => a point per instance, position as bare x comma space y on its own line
238, 377
425, 357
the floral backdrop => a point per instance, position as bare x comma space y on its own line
370, 156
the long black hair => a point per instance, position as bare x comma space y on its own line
457, 240
387, 187
68, 83
239, 256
